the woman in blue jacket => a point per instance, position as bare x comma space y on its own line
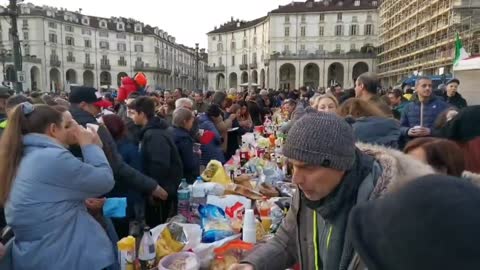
213, 150
43, 187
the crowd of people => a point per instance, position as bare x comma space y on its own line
381, 174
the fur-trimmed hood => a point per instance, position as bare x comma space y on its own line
397, 168
472, 177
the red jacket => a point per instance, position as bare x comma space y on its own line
128, 86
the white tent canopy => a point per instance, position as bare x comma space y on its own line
468, 64
468, 72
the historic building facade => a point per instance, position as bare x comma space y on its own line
311, 43
60, 48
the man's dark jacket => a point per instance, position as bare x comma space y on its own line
125, 176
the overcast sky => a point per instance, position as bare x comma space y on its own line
187, 20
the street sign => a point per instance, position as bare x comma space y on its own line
21, 76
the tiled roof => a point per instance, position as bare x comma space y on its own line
237, 25
325, 5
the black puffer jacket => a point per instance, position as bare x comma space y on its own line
457, 101
161, 159
125, 176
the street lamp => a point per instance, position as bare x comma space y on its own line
196, 66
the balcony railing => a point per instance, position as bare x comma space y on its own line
54, 62
141, 66
324, 55
216, 68
88, 66
243, 67
105, 66
253, 65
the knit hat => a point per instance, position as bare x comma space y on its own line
431, 223
321, 139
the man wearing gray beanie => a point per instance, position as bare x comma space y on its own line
333, 174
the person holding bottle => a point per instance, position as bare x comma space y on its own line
43, 188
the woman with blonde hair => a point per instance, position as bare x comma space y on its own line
370, 124
325, 103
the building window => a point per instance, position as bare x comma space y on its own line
86, 32
70, 57
232, 45
254, 58
353, 30
103, 24
26, 50
70, 41
122, 62
69, 28
338, 30
287, 19
219, 37
321, 18
122, 47
25, 23
287, 31
220, 62
244, 33
52, 38
122, 35
220, 47
353, 47
374, 3
356, 3
87, 58
103, 33
138, 28
368, 29
104, 45
320, 47
255, 41
303, 18
121, 27
52, 25
369, 17
88, 43
214, 38
302, 47
354, 19
233, 60
286, 48
302, 31
244, 59
138, 38
138, 48
339, 17
104, 60
338, 47
244, 43
25, 35
85, 21
321, 31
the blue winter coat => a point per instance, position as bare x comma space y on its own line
411, 113
377, 130
213, 150
46, 210
191, 161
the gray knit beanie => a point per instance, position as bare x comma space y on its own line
321, 139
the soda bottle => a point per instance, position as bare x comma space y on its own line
146, 251
183, 195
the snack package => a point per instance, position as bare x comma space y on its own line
180, 261
243, 191
230, 254
214, 223
214, 172
171, 240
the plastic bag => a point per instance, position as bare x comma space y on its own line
214, 223
230, 254
214, 172
171, 240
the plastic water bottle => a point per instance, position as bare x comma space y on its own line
249, 227
183, 194
198, 196
146, 251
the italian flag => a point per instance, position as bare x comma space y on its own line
460, 53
